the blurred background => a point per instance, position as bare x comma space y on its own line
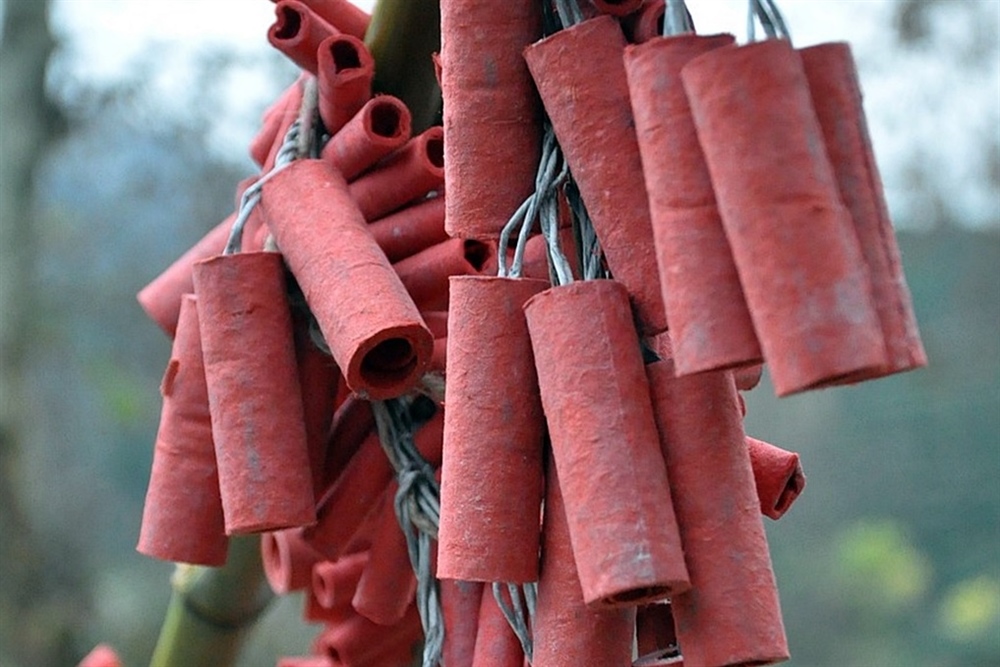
123, 132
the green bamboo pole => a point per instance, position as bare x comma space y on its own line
402, 36
212, 609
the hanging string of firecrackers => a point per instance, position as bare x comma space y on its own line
570, 501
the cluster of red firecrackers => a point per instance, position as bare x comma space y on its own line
742, 177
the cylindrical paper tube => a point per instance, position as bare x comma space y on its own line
491, 112
380, 127
796, 251
288, 560
319, 380
352, 423
777, 475
605, 444
102, 655
618, 8
379, 341
646, 23
425, 274
334, 582
590, 112
275, 121
161, 298
404, 176
343, 15
253, 392
387, 585
358, 641
297, 32
496, 643
731, 615
410, 230
491, 483
356, 491
836, 96
437, 322
710, 326
654, 632
460, 601
306, 661
749, 377
182, 519
344, 79
568, 633
314, 612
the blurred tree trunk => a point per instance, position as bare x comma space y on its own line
36, 611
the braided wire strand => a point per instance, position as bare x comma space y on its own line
418, 510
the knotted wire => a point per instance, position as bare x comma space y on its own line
418, 510
519, 611
549, 178
300, 141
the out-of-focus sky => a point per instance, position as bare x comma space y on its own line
929, 111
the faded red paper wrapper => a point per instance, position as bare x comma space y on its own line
306, 661
381, 126
710, 326
344, 79
496, 643
794, 244
101, 655
590, 112
288, 560
352, 423
253, 392
425, 274
387, 585
410, 230
334, 582
836, 96
492, 477
344, 506
343, 15
605, 444
725, 547
358, 641
404, 176
319, 382
460, 601
182, 518
567, 632
777, 475
379, 342
297, 32
491, 112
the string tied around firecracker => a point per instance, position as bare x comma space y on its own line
299, 142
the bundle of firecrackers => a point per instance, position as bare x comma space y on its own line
589, 437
